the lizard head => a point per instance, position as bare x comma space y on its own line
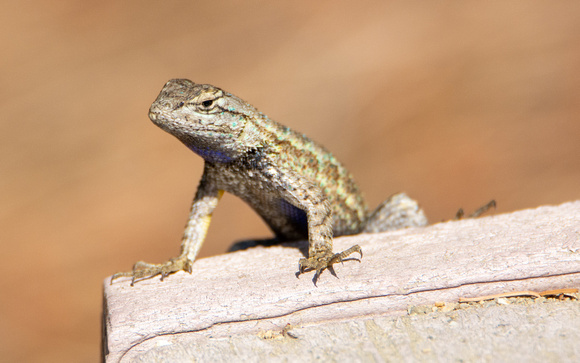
206, 119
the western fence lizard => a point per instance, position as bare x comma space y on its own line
299, 188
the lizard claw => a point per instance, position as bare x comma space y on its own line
144, 270
325, 260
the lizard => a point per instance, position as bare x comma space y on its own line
297, 186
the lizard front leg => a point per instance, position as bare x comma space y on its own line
310, 198
204, 203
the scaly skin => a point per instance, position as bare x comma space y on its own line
294, 184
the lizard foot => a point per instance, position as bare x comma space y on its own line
325, 260
143, 270
461, 214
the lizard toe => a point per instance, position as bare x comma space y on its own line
145, 270
324, 260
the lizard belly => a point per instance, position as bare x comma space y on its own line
286, 221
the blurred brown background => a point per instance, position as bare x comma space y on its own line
453, 102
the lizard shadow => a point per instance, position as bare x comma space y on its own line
301, 245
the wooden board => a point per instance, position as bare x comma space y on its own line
248, 292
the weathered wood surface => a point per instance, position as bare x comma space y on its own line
238, 295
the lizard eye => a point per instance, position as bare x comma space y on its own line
207, 103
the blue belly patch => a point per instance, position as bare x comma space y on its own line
295, 216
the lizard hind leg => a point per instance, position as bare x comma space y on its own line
399, 211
